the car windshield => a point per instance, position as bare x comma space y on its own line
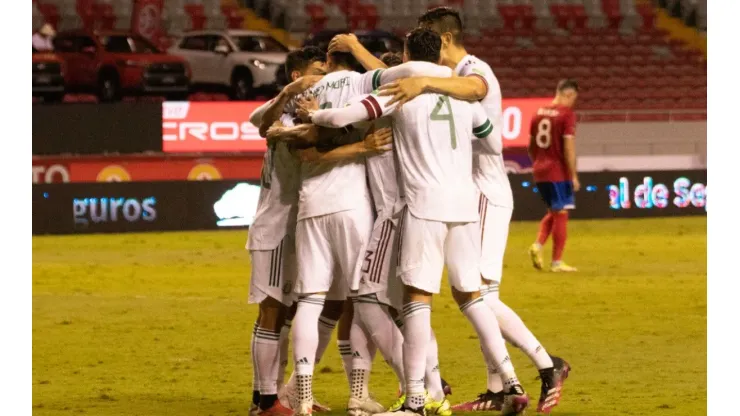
127, 44
258, 44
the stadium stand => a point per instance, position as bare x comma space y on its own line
624, 54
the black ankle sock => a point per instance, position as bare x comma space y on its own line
547, 373
496, 393
255, 397
267, 400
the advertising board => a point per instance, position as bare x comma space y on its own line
210, 205
224, 126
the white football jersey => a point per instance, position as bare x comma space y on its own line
278, 201
489, 171
327, 188
382, 175
432, 137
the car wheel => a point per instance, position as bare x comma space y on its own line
109, 89
56, 97
241, 86
178, 96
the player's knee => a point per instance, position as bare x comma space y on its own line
464, 297
413, 294
272, 314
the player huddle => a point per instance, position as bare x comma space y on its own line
374, 182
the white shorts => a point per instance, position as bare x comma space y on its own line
328, 250
273, 273
426, 246
378, 265
494, 229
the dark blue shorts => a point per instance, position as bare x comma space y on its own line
558, 196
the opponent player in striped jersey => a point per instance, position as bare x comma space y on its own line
476, 82
432, 139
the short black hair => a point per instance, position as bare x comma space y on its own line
347, 60
300, 59
443, 19
423, 45
391, 59
567, 84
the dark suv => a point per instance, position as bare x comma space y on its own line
112, 64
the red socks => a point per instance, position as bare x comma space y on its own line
545, 228
559, 234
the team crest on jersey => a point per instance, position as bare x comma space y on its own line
287, 287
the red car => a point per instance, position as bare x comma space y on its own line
112, 64
48, 77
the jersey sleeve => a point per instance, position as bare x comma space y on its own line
476, 69
367, 82
369, 108
569, 121
488, 142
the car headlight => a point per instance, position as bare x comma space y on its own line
263, 64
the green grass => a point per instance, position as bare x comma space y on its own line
158, 324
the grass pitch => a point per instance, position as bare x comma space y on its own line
158, 324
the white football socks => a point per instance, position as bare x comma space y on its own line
255, 373
305, 344
514, 331
345, 353
491, 341
284, 343
326, 327
416, 334
267, 353
433, 380
385, 334
363, 352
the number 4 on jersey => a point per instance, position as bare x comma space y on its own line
435, 116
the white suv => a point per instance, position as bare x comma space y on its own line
242, 61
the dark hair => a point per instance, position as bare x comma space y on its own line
347, 60
442, 20
567, 84
391, 59
423, 45
300, 59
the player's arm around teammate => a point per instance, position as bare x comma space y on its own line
375, 142
470, 88
350, 43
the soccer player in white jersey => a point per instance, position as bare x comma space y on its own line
433, 140
334, 224
271, 244
476, 82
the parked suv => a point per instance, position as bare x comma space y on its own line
112, 64
48, 77
239, 61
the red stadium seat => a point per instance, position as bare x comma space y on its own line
104, 16
50, 13
233, 18
197, 15
317, 15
